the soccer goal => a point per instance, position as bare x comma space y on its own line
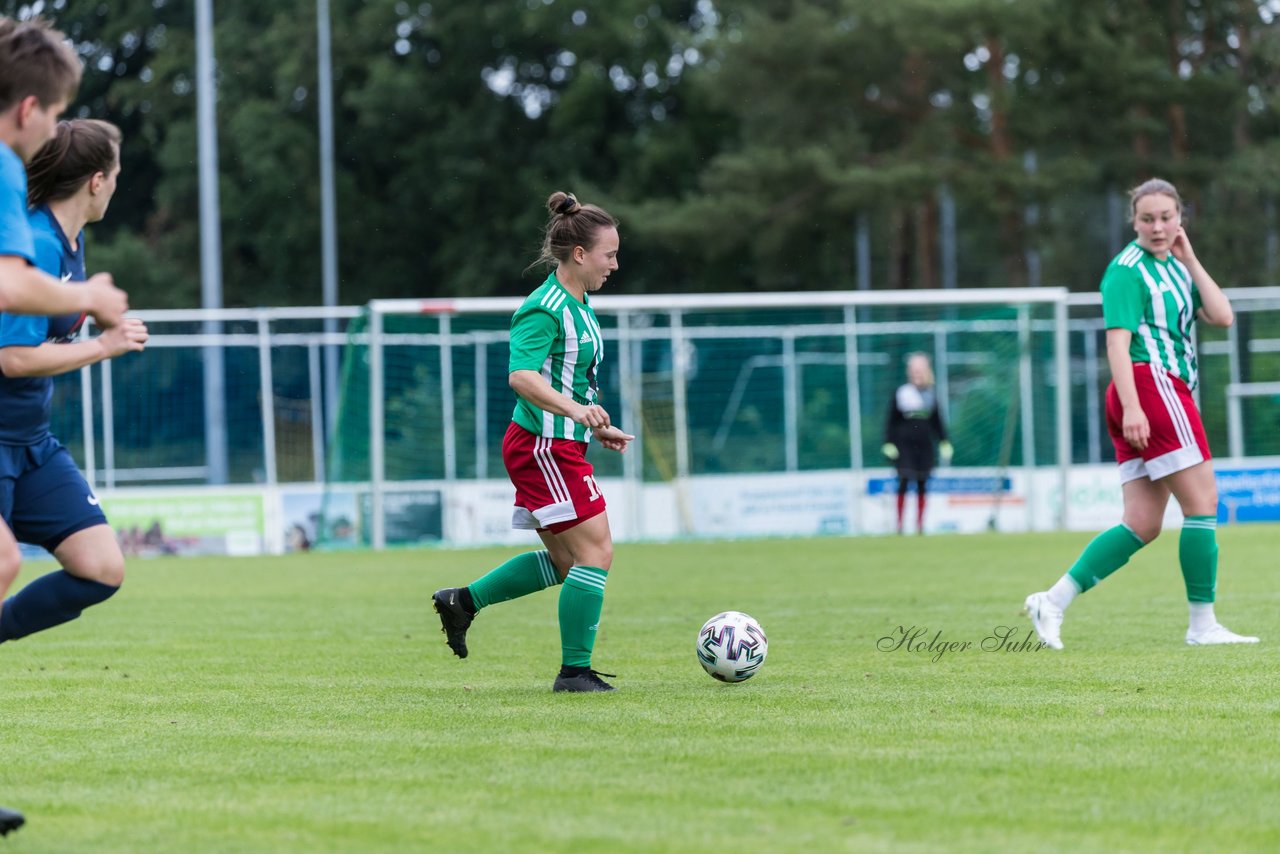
754, 413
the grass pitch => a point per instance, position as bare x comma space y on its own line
309, 703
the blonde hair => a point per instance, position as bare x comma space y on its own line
1153, 187
928, 365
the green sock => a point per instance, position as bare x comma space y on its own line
1106, 553
520, 576
1198, 554
581, 599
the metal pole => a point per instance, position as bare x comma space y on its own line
108, 427
1026, 410
377, 451
942, 373
1062, 344
1093, 412
629, 382
317, 413
86, 419
266, 381
215, 429
328, 201
790, 402
680, 414
482, 409
449, 424
853, 390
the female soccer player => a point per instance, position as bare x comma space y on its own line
39, 75
1151, 293
556, 350
43, 497
914, 424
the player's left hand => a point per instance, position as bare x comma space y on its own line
128, 336
612, 438
1180, 246
945, 451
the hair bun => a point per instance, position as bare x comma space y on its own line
563, 204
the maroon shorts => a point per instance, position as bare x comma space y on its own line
555, 488
1177, 436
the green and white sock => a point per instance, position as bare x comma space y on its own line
1106, 553
1198, 554
520, 576
581, 600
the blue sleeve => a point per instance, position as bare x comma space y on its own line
23, 330
15, 231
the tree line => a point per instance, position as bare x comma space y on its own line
747, 145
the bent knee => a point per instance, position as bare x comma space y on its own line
562, 559
599, 556
108, 569
1146, 529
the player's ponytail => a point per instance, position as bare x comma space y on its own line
81, 149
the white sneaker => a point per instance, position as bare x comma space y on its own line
1047, 619
1216, 634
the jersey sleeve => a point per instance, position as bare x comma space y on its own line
15, 231
533, 333
23, 330
1123, 298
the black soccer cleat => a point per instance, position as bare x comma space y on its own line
454, 619
10, 820
581, 680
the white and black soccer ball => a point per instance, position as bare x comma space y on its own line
732, 646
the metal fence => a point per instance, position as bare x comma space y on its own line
414, 390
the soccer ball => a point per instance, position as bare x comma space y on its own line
732, 646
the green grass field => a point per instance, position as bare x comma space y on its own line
309, 703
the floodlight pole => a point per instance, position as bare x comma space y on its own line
328, 207
215, 423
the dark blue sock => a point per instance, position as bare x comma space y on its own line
49, 601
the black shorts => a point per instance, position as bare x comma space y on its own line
915, 460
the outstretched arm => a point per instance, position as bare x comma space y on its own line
50, 359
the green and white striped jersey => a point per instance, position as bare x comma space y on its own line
559, 337
1156, 301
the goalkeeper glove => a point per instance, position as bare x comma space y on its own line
890, 450
945, 451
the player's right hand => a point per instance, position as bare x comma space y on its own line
1136, 428
593, 416
107, 303
890, 450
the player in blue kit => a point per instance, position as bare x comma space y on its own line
39, 75
43, 497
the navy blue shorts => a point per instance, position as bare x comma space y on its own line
43, 497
